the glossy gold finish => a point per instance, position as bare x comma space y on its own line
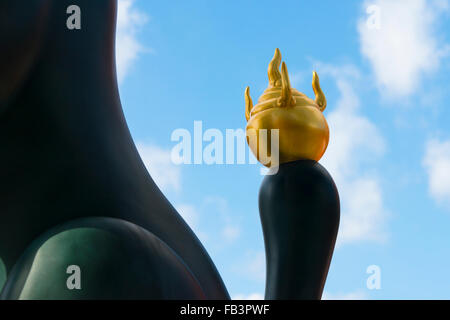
303, 130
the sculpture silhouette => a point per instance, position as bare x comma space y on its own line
298, 201
299, 209
74, 191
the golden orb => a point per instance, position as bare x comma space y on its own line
303, 131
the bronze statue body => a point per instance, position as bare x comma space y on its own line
74, 191
66, 154
299, 208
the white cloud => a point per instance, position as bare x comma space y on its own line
354, 143
192, 216
257, 266
253, 266
406, 45
437, 164
211, 211
159, 164
231, 232
129, 21
357, 295
363, 214
251, 296
211, 221
189, 214
167, 176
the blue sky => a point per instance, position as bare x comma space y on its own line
386, 77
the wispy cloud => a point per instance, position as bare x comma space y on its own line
230, 230
354, 142
437, 163
189, 214
192, 216
251, 296
160, 166
253, 266
129, 22
405, 45
212, 222
211, 210
357, 295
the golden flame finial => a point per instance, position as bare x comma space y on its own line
248, 103
321, 101
303, 130
286, 98
273, 70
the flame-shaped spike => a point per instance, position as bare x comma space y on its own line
321, 101
286, 98
248, 103
273, 71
